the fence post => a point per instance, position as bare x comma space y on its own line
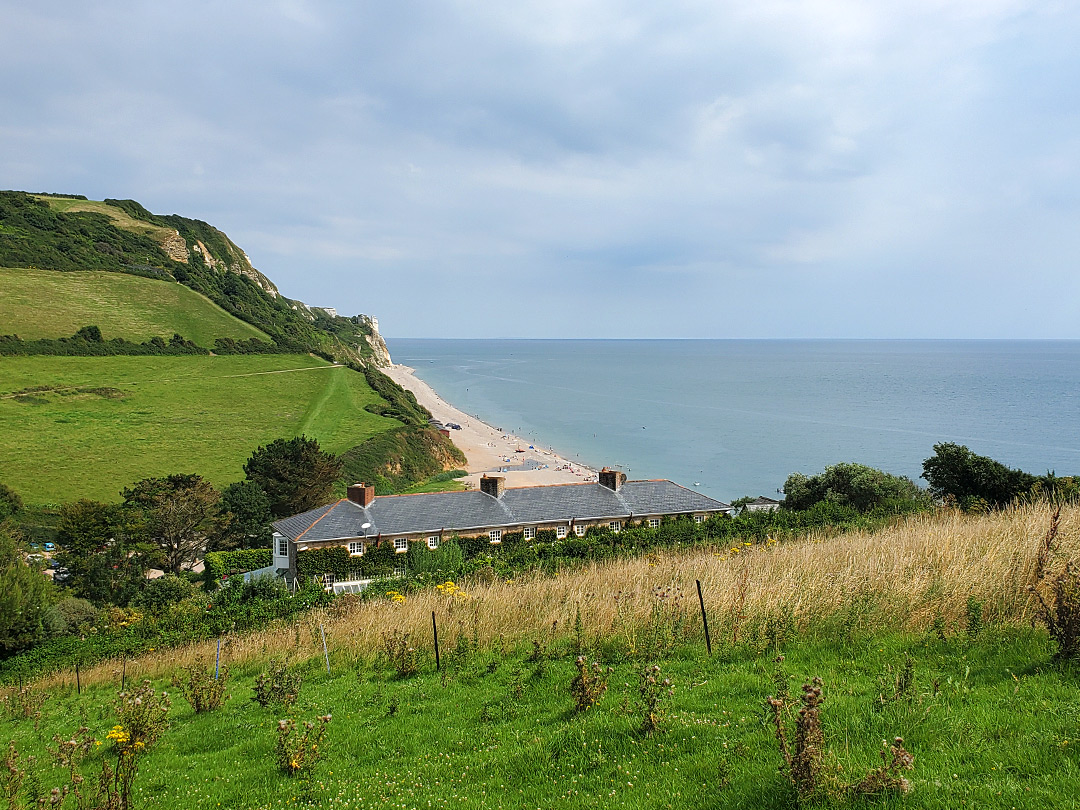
78, 682
704, 618
123, 671
325, 653
217, 659
435, 632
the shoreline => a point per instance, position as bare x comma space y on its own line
488, 450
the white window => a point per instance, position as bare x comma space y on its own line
579, 530
615, 526
654, 523
282, 546
529, 532
433, 542
560, 532
699, 518
495, 535
401, 544
328, 579
356, 549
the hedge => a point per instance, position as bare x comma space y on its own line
221, 564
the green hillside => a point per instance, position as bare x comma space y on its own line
85, 427
72, 234
46, 304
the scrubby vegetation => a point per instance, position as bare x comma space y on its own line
877, 617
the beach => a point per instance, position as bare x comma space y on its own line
491, 450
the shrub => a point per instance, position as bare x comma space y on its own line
297, 751
403, 656
1058, 594
653, 695
223, 564
200, 688
589, 684
277, 686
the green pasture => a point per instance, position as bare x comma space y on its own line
48, 304
991, 724
85, 427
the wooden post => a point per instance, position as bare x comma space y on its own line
123, 673
217, 660
78, 682
704, 618
435, 632
325, 653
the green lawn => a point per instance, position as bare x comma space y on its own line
119, 419
48, 304
991, 724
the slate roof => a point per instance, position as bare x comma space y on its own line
476, 510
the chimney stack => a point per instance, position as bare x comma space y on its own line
362, 494
492, 485
612, 479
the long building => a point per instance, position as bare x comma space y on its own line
363, 521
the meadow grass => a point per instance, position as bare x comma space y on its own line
989, 722
114, 420
48, 304
990, 717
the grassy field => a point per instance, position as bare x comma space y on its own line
121, 218
107, 422
991, 719
48, 304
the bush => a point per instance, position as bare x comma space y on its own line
297, 751
10, 502
200, 688
1058, 594
589, 684
158, 594
277, 686
220, 565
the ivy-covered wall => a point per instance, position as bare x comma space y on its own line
221, 564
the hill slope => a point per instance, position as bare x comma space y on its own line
46, 304
103, 423
71, 233
81, 426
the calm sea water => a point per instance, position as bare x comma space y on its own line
734, 418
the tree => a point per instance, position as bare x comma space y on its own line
294, 473
25, 595
175, 513
10, 502
855, 485
103, 562
955, 471
245, 517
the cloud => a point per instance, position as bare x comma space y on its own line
708, 164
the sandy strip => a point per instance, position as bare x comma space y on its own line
489, 450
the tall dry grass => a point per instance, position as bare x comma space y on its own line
905, 577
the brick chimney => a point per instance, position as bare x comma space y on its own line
492, 485
612, 479
362, 494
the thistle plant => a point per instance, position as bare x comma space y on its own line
298, 748
1058, 593
277, 686
201, 688
589, 684
654, 693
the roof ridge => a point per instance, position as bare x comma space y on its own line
329, 509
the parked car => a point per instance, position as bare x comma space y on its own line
50, 547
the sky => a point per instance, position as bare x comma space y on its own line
581, 168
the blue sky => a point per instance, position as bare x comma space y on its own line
587, 169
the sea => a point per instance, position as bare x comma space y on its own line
735, 417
